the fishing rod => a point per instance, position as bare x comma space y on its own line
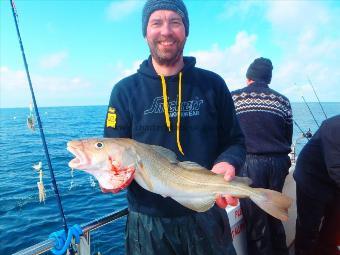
311, 84
310, 111
307, 134
55, 187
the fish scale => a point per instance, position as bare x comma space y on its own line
157, 170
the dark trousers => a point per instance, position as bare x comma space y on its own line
317, 225
265, 234
195, 234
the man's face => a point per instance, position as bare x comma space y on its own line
166, 38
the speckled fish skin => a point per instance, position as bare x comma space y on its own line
157, 170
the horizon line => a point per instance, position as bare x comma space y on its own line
54, 106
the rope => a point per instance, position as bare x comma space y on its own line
62, 242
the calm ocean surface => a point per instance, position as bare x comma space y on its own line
24, 221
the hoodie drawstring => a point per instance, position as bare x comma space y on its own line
179, 112
165, 103
166, 109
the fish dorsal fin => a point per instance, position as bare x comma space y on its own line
191, 165
170, 155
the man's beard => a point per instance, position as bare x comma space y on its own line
166, 58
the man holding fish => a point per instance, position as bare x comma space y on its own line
170, 102
148, 108
167, 125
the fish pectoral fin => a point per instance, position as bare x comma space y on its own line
197, 204
191, 165
169, 154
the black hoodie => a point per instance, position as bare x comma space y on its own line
317, 170
209, 131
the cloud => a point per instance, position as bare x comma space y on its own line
296, 16
240, 9
53, 60
119, 10
314, 60
132, 69
306, 42
120, 71
52, 90
12, 79
305, 31
230, 62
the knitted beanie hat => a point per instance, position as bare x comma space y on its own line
260, 70
172, 5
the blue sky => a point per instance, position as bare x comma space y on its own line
77, 50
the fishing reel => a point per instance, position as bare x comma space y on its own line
308, 134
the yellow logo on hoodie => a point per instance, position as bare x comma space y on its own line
111, 119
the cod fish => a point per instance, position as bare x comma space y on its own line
115, 162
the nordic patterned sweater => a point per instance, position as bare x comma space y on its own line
265, 117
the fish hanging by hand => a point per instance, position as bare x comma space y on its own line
115, 162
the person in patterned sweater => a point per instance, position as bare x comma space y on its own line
265, 117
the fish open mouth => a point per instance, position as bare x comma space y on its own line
80, 160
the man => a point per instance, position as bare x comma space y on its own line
171, 103
317, 176
265, 117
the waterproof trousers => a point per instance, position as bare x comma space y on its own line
265, 234
195, 234
317, 225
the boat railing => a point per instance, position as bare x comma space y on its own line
48, 244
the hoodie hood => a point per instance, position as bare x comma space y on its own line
146, 68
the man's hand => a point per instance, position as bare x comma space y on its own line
228, 171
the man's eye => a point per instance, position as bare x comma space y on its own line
176, 22
99, 145
156, 24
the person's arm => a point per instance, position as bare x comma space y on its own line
289, 124
118, 116
330, 141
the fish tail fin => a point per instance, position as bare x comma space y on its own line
272, 202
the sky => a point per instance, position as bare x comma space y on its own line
78, 49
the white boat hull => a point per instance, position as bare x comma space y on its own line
238, 227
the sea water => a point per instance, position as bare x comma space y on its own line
24, 221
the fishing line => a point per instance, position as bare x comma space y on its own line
307, 135
55, 188
310, 111
311, 84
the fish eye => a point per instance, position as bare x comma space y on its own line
99, 145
